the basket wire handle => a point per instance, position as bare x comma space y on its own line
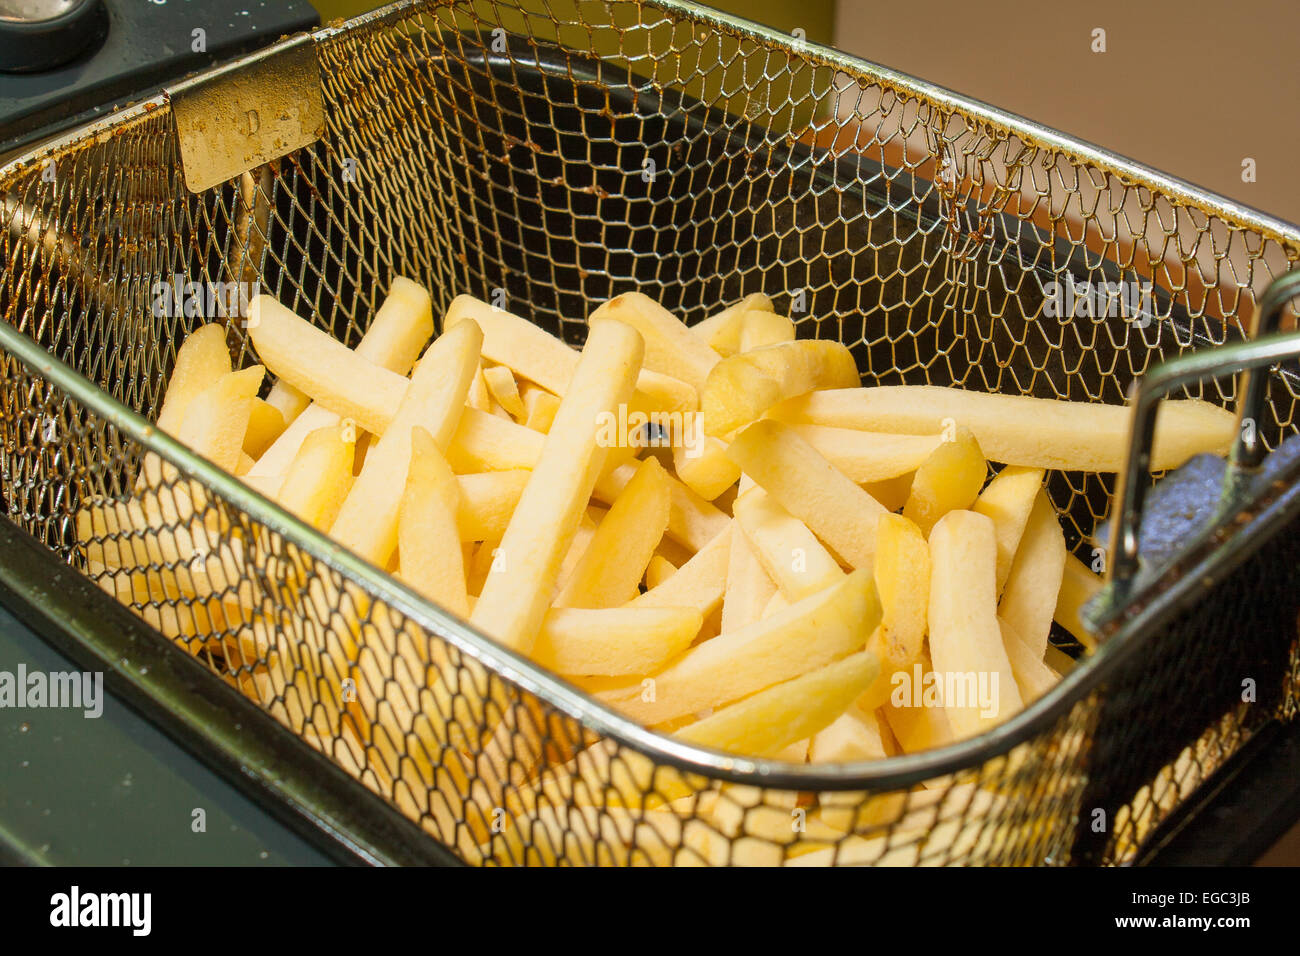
1144, 400
1248, 451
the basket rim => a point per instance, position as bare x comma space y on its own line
890, 773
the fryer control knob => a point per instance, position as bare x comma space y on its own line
38, 35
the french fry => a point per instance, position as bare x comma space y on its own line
1030, 597
949, 480
216, 420
540, 407
699, 583
288, 401
311, 360
759, 328
202, 359
609, 571
707, 471
839, 512
892, 492
427, 536
501, 384
367, 521
741, 388
855, 735
1020, 430
1033, 677
479, 397
483, 442
614, 641
748, 587
399, 331
486, 502
771, 719
514, 602
1078, 586
902, 573
806, 635
670, 348
787, 550
965, 640
916, 728
319, 477
1007, 501
721, 331
659, 570
692, 521
265, 424
534, 354
777, 602
487, 558
868, 457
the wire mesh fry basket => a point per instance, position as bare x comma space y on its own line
558, 156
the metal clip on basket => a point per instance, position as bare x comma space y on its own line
699, 157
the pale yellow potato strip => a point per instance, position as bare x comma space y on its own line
916, 727
1078, 586
399, 331
479, 397
484, 442
902, 573
670, 348
806, 635
202, 358
540, 407
772, 719
615, 560
866, 457
692, 521
741, 388
614, 641
319, 477
367, 522
1007, 501
313, 361
289, 401
216, 419
538, 356
790, 553
1033, 677
759, 328
1030, 597
659, 570
427, 536
854, 735
1021, 430
486, 502
501, 383
265, 424
699, 583
721, 331
949, 480
809, 487
748, 586
705, 468
965, 639
514, 601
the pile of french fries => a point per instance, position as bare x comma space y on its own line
716, 530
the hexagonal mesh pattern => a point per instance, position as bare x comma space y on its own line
557, 157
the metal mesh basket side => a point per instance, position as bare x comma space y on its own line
523, 168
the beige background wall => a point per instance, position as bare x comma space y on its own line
1189, 87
